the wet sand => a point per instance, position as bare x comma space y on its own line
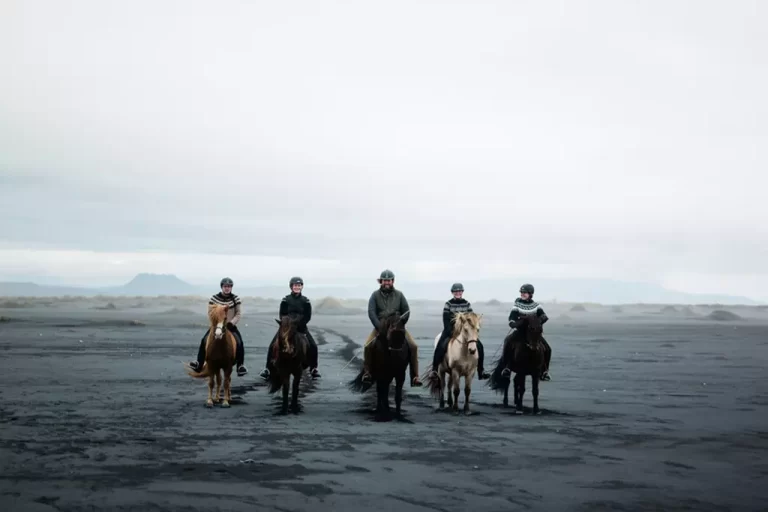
98, 414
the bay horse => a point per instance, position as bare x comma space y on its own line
220, 351
390, 358
523, 354
460, 360
289, 357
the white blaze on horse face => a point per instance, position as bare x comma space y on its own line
219, 330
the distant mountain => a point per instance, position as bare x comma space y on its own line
156, 284
603, 291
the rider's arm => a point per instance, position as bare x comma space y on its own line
514, 316
307, 312
238, 311
447, 318
542, 315
404, 307
283, 306
372, 316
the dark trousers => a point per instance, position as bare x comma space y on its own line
239, 352
313, 355
442, 347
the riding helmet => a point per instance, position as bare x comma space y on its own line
387, 274
295, 280
527, 288
457, 287
228, 281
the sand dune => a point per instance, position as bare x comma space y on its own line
722, 315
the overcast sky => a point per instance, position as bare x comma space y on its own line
444, 140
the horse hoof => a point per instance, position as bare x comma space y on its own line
225, 404
467, 412
536, 412
209, 403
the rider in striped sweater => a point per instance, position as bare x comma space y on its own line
223, 298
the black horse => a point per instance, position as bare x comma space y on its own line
390, 358
523, 354
289, 357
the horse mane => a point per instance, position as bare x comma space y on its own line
460, 319
288, 326
217, 313
386, 323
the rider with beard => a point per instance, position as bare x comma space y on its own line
225, 298
525, 305
299, 304
458, 304
383, 302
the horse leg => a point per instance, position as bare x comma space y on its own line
441, 380
467, 391
227, 387
295, 391
209, 402
506, 393
399, 382
217, 396
286, 382
382, 399
455, 378
449, 387
519, 391
535, 390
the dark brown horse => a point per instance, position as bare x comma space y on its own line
523, 353
389, 360
289, 357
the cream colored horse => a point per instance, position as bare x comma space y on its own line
460, 359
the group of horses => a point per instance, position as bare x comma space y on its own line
390, 358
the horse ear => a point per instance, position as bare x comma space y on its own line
279, 322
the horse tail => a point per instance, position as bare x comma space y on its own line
357, 385
275, 381
199, 375
498, 383
433, 383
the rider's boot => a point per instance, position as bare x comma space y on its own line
314, 373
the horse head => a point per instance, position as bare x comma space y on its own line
533, 331
393, 330
289, 328
218, 316
466, 328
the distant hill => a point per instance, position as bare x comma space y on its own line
602, 291
157, 284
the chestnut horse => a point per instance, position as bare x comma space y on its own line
220, 349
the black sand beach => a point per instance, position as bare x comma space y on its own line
645, 412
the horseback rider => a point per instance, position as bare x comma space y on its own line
383, 302
225, 298
299, 304
458, 304
524, 306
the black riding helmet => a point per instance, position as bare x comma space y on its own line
295, 280
457, 287
228, 281
527, 288
387, 274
